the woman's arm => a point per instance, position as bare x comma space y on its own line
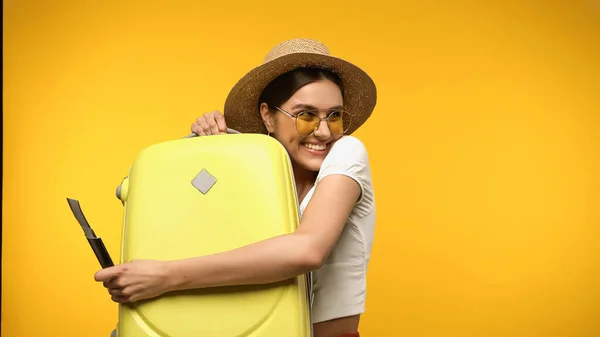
278, 258
267, 261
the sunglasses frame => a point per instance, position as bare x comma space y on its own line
326, 118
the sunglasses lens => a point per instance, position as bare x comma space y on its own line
306, 123
336, 123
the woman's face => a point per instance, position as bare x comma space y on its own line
306, 152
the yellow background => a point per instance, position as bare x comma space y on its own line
485, 148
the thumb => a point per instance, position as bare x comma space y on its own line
106, 274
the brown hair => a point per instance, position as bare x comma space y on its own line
284, 86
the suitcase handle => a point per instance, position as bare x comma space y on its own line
118, 191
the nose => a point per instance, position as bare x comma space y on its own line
323, 131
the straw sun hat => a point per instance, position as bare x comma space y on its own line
241, 106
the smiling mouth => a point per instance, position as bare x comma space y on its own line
315, 148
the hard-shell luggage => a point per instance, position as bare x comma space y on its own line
203, 195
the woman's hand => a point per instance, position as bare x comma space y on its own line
211, 123
137, 280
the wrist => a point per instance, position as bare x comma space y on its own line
175, 280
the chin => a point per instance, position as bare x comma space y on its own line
307, 159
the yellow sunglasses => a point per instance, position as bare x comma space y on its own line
308, 121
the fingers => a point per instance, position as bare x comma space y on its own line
116, 291
212, 123
116, 282
202, 128
126, 295
112, 277
119, 293
220, 119
107, 273
122, 291
119, 299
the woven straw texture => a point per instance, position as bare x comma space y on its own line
241, 106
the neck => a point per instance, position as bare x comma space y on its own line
304, 180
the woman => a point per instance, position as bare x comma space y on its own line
310, 102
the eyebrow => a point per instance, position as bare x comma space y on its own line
312, 107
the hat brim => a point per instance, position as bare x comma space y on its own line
241, 106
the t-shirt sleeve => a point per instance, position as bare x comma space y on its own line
348, 156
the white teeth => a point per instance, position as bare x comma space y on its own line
315, 147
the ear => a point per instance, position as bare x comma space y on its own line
268, 117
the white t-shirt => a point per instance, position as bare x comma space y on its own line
339, 286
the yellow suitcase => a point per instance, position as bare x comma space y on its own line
203, 195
